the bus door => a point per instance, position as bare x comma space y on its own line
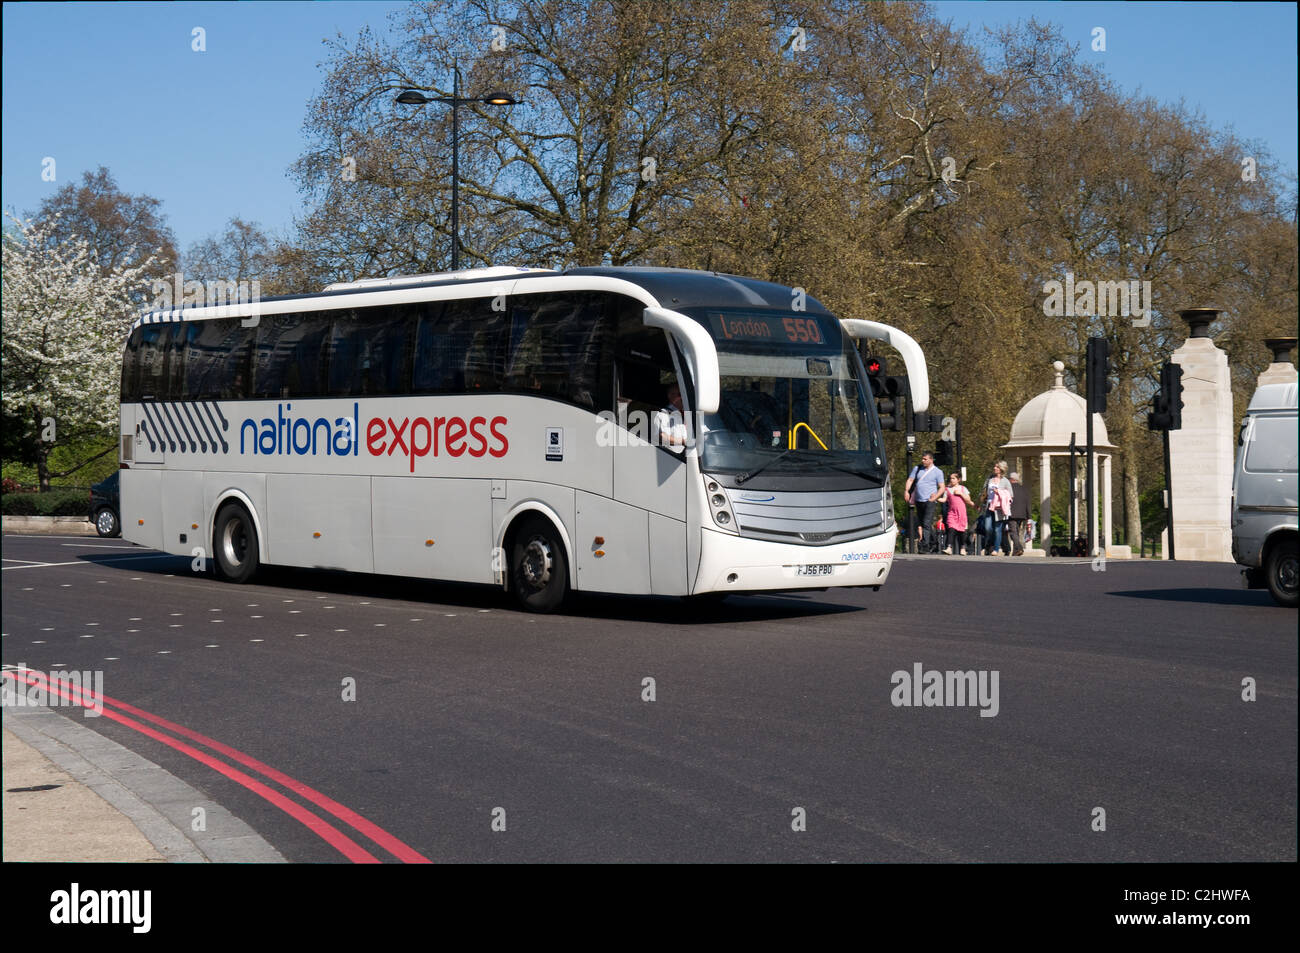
650, 471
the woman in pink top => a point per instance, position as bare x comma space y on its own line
957, 498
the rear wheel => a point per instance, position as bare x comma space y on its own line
235, 544
1284, 573
106, 523
539, 573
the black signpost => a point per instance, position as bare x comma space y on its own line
1098, 383
1166, 415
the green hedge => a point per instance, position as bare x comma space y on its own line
64, 502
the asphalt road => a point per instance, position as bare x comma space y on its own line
1119, 690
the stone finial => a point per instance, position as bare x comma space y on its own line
1281, 348
1059, 368
1281, 371
1199, 320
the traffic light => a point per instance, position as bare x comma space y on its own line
886, 390
927, 423
1167, 402
887, 410
1171, 383
943, 453
877, 375
1098, 374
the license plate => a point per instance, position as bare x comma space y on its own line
814, 569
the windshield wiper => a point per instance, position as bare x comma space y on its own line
746, 477
856, 471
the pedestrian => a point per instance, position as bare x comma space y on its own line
922, 489
957, 498
1019, 515
996, 500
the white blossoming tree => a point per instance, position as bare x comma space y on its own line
64, 326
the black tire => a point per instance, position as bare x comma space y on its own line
1282, 570
234, 544
106, 522
539, 573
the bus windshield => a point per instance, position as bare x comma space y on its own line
793, 398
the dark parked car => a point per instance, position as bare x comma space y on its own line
105, 506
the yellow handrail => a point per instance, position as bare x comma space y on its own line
795, 432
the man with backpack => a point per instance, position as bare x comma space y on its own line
923, 487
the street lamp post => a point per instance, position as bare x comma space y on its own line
412, 97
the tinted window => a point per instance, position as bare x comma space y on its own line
370, 352
559, 346
131, 366
645, 366
460, 350
151, 361
290, 357
218, 355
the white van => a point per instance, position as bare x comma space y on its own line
1264, 492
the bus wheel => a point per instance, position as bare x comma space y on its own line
1282, 573
235, 544
539, 573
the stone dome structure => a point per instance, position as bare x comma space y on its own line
1041, 431
1047, 421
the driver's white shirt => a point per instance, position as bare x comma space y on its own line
669, 421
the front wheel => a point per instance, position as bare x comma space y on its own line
106, 523
1283, 570
235, 544
539, 573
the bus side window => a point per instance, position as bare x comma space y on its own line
478, 343
212, 348
290, 356
131, 366
369, 355
644, 365
559, 345
429, 373
152, 358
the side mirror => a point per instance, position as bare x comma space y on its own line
699, 350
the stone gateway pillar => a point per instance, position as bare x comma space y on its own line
1200, 454
1281, 371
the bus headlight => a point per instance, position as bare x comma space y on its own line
719, 505
887, 507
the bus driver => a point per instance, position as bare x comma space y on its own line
669, 422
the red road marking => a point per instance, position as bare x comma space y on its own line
348, 816
332, 835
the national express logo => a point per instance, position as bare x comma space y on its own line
409, 437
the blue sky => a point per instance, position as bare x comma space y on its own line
212, 134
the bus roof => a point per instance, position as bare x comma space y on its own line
670, 287
685, 288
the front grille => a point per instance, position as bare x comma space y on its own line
811, 518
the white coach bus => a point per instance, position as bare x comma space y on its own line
516, 426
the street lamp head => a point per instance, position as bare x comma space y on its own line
500, 99
410, 97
